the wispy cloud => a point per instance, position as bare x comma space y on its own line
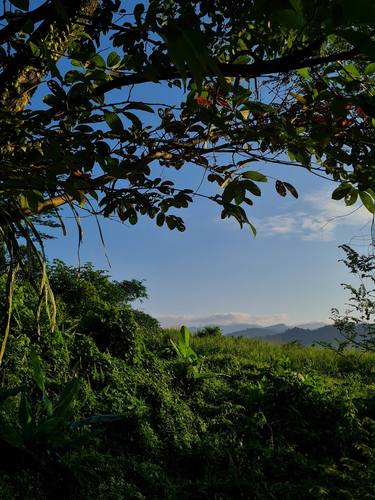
318, 220
223, 319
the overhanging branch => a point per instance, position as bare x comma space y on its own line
254, 70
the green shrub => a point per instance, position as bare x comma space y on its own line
209, 331
211, 417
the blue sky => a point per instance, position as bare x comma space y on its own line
216, 272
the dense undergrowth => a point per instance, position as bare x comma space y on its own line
105, 407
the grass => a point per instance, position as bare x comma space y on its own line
241, 418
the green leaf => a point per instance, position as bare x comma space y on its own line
37, 371
240, 196
134, 119
113, 59
98, 61
304, 72
341, 191
34, 49
352, 70
255, 176
230, 192
252, 187
188, 48
292, 190
171, 222
280, 188
138, 11
367, 201
351, 197
253, 229
141, 106
66, 399
160, 218
51, 100
370, 69
24, 412
113, 121
185, 335
20, 4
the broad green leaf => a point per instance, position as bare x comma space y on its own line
24, 411
304, 72
292, 190
185, 335
113, 122
188, 49
351, 197
66, 399
175, 50
341, 191
140, 106
255, 176
230, 191
34, 49
352, 70
39, 378
240, 196
134, 119
370, 69
98, 61
252, 187
367, 201
138, 11
280, 188
160, 218
113, 59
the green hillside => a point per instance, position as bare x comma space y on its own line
108, 407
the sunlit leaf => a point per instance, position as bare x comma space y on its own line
367, 201
113, 121
255, 176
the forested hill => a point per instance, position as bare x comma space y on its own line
305, 336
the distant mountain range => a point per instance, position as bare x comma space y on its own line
277, 333
242, 328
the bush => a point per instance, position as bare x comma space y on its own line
210, 331
256, 421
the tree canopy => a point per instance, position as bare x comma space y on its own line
287, 82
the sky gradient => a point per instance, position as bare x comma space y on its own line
216, 272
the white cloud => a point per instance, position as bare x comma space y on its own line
318, 220
223, 319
